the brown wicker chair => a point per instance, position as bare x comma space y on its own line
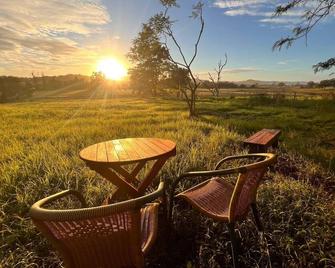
224, 201
116, 235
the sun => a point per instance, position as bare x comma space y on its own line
112, 69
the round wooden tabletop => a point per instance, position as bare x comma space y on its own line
128, 150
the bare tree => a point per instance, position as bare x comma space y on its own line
314, 12
215, 89
35, 81
163, 25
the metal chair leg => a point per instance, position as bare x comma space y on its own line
234, 244
257, 218
164, 203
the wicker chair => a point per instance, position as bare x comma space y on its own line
224, 201
116, 235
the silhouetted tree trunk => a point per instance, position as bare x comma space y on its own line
163, 25
215, 90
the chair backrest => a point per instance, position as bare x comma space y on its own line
245, 190
105, 236
109, 241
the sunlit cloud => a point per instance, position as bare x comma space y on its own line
43, 34
52, 17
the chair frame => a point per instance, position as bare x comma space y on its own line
268, 160
39, 213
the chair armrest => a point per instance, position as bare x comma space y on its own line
229, 158
206, 173
34, 210
38, 212
139, 201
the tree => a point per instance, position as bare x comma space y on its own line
177, 79
315, 11
96, 79
163, 26
311, 84
216, 85
327, 83
150, 59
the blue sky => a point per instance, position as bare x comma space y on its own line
59, 37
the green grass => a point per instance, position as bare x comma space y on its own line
308, 126
40, 142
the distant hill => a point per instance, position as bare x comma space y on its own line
251, 82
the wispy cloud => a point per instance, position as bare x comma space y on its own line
286, 62
239, 70
285, 21
242, 70
33, 33
249, 12
235, 3
264, 9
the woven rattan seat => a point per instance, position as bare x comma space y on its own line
211, 197
115, 235
222, 200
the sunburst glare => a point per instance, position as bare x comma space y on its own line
112, 69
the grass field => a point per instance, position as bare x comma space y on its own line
39, 156
308, 125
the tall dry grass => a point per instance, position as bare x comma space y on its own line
40, 142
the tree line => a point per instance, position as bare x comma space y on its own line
327, 83
18, 88
15, 88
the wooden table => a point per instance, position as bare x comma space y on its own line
111, 158
261, 140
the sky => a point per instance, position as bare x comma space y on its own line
57, 37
